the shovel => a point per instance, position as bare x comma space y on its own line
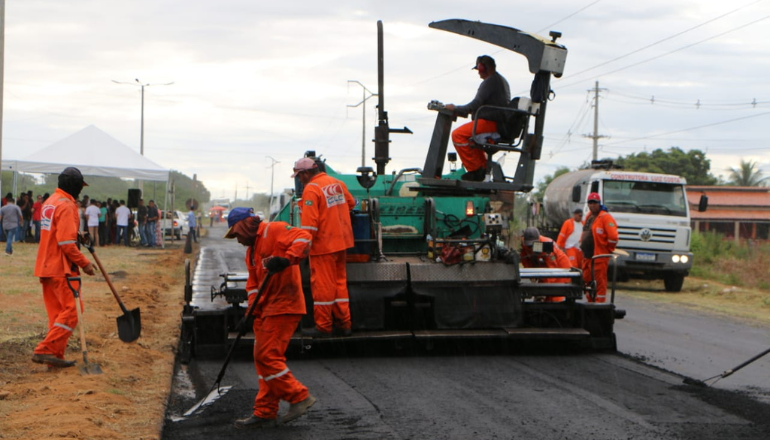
218, 391
130, 322
87, 368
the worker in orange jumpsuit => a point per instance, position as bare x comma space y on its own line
600, 237
325, 212
569, 238
554, 260
494, 90
59, 257
273, 247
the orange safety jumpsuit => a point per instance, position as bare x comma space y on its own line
604, 231
58, 257
569, 240
556, 260
277, 313
472, 158
325, 213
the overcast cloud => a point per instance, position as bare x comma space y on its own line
254, 79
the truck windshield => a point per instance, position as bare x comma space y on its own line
645, 197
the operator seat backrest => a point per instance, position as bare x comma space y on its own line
512, 123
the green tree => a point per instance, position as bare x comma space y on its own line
692, 165
746, 174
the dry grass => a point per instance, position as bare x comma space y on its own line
745, 303
128, 400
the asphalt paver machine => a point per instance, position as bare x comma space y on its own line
434, 255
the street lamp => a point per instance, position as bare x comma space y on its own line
139, 83
272, 178
363, 134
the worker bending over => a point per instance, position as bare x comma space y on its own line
552, 260
273, 247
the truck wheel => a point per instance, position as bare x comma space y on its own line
674, 282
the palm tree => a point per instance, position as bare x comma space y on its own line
746, 174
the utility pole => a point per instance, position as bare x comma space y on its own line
2, 68
272, 178
247, 190
596, 136
363, 132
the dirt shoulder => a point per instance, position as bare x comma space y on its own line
128, 400
746, 304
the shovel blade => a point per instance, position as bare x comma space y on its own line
129, 325
90, 368
210, 398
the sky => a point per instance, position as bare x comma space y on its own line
257, 83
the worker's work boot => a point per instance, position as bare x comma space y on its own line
344, 332
254, 422
298, 409
315, 333
51, 360
474, 176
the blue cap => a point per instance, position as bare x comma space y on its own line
236, 215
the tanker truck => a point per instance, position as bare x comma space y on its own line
651, 211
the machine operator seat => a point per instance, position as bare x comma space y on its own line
512, 125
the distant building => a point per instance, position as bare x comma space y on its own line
738, 212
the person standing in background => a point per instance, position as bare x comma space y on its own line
92, 220
122, 215
569, 238
11, 218
192, 224
141, 219
37, 212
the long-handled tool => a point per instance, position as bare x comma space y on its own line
87, 367
130, 322
218, 391
703, 383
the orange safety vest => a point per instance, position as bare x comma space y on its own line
555, 260
605, 233
58, 249
283, 293
325, 213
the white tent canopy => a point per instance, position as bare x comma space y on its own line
94, 153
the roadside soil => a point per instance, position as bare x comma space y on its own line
128, 400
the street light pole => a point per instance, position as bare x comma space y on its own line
363, 132
141, 127
272, 178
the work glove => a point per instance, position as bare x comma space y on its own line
277, 264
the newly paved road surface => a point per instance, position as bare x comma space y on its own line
493, 392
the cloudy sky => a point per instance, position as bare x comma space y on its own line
255, 79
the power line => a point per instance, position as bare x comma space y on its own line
666, 39
550, 26
670, 52
692, 128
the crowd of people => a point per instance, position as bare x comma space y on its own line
107, 222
